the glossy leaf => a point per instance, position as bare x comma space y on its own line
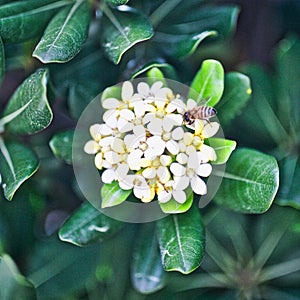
18, 163
165, 68
112, 194
28, 110
13, 285
173, 207
117, 2
289, 190
208, 83
237, 92
122, 30
147, 273
65, 34
53, 263
182, 241
111, 92
24, 20
223, 148
250, 182
61, 145
88, 225
186, 45
180, 33
2, 61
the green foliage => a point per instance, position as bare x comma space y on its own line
89, 46
181, 240
250, 182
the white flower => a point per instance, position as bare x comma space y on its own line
171, 192
189, 173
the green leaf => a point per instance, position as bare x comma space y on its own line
250, 182
61, 145
88, 225
28, 110
24, 20
236, 94
223, 149
65, 34
187, 45
208, 83
2, 61
122, 30
13, 285
147, 273
112, 194
289, 190
164, 68
173, 207
59, 269
18, 163
179, 34
117, 2
181, 239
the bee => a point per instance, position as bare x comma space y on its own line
199, 113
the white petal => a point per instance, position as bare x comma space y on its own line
133, 159
127, 90
112, 157
127, 114
165, 160
191, 104
98, 161
108, 176
182, 158
177, 119
193, 161
177, 134
105, 142
121, 171
198, 186
140, 132
175, 104
118, 145
150, 154
177, 169
95, 132
199, 126
168, 124
160, 102
188, 138
163, 174
149, 117
164, 197
143, 88
110, 103
181, 182
209, 152
139, 109
127, 183
110, 118
156, 86
141, 191
172, 147
204, 170
155, 127
149, 172
131, 141
105, 130
210, 129
157, 144
91, 147
149, 108
144, 163
106, 164
182, 146
190, 149
124, 125
179, 196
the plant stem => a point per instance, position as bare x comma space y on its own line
162, 11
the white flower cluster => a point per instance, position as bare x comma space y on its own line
145, 145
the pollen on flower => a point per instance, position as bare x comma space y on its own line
144, 144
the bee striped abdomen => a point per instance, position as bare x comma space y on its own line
199, 112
